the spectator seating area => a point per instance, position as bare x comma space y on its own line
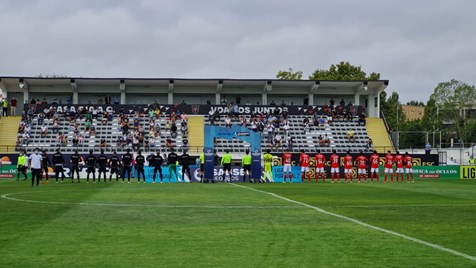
296, 132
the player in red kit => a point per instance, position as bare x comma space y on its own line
335, 161
320, 163
287, 165
304, 163
408, 167
388, 166
399, 164
348, 166
361, 166
374, 164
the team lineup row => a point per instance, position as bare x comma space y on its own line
121, 166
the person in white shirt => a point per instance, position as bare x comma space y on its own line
34, 162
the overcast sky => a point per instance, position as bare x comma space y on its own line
414, 44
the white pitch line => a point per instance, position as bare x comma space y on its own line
416, 240
403, 205
8, 197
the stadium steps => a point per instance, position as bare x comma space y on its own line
379, 135
9, 128
196, 127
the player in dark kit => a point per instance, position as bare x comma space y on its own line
127, 166
114, 163
58, 161
45, 161
102, 163
91, 163
140, 161
185, 162
156, 161
75, 160
172, 161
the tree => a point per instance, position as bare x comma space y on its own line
468, 133
413, 134
450, 100
392, 110
289, 75
415, 103
343, 71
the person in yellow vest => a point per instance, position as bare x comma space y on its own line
5, 107
226, 164
246, 163
201, 158
22, 165
471, 160
268, 166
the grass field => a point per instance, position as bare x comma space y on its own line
225, 225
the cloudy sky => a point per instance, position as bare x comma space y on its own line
414, 44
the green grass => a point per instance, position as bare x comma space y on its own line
221, 225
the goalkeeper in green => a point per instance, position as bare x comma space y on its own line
268, 166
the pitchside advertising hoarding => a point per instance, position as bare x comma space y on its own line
425, 167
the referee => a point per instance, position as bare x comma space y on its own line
246, 163
226, 163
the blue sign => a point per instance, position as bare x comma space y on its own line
278, 174
234, 132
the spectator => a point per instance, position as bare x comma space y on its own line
362, 120
244, 121
185, 144
290, 143
152, 142
342, 102
320, 139
69, 100
107, 99
102, 143
228, 122
427, 148
100, 100
44, 131
81, 139
168, 142
278, 139
173, 130
327, 141
272, 103
351, 135
307, 128
13, 106
55, 127
370, 143
116, 100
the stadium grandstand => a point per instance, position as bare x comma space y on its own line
157, 114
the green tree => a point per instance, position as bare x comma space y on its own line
289, 75
468, 132
392, 109
451, 101
344, 71
415, 103
412, 135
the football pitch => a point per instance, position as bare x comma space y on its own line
431, 223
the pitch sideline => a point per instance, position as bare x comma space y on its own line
435, 246
8, 196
